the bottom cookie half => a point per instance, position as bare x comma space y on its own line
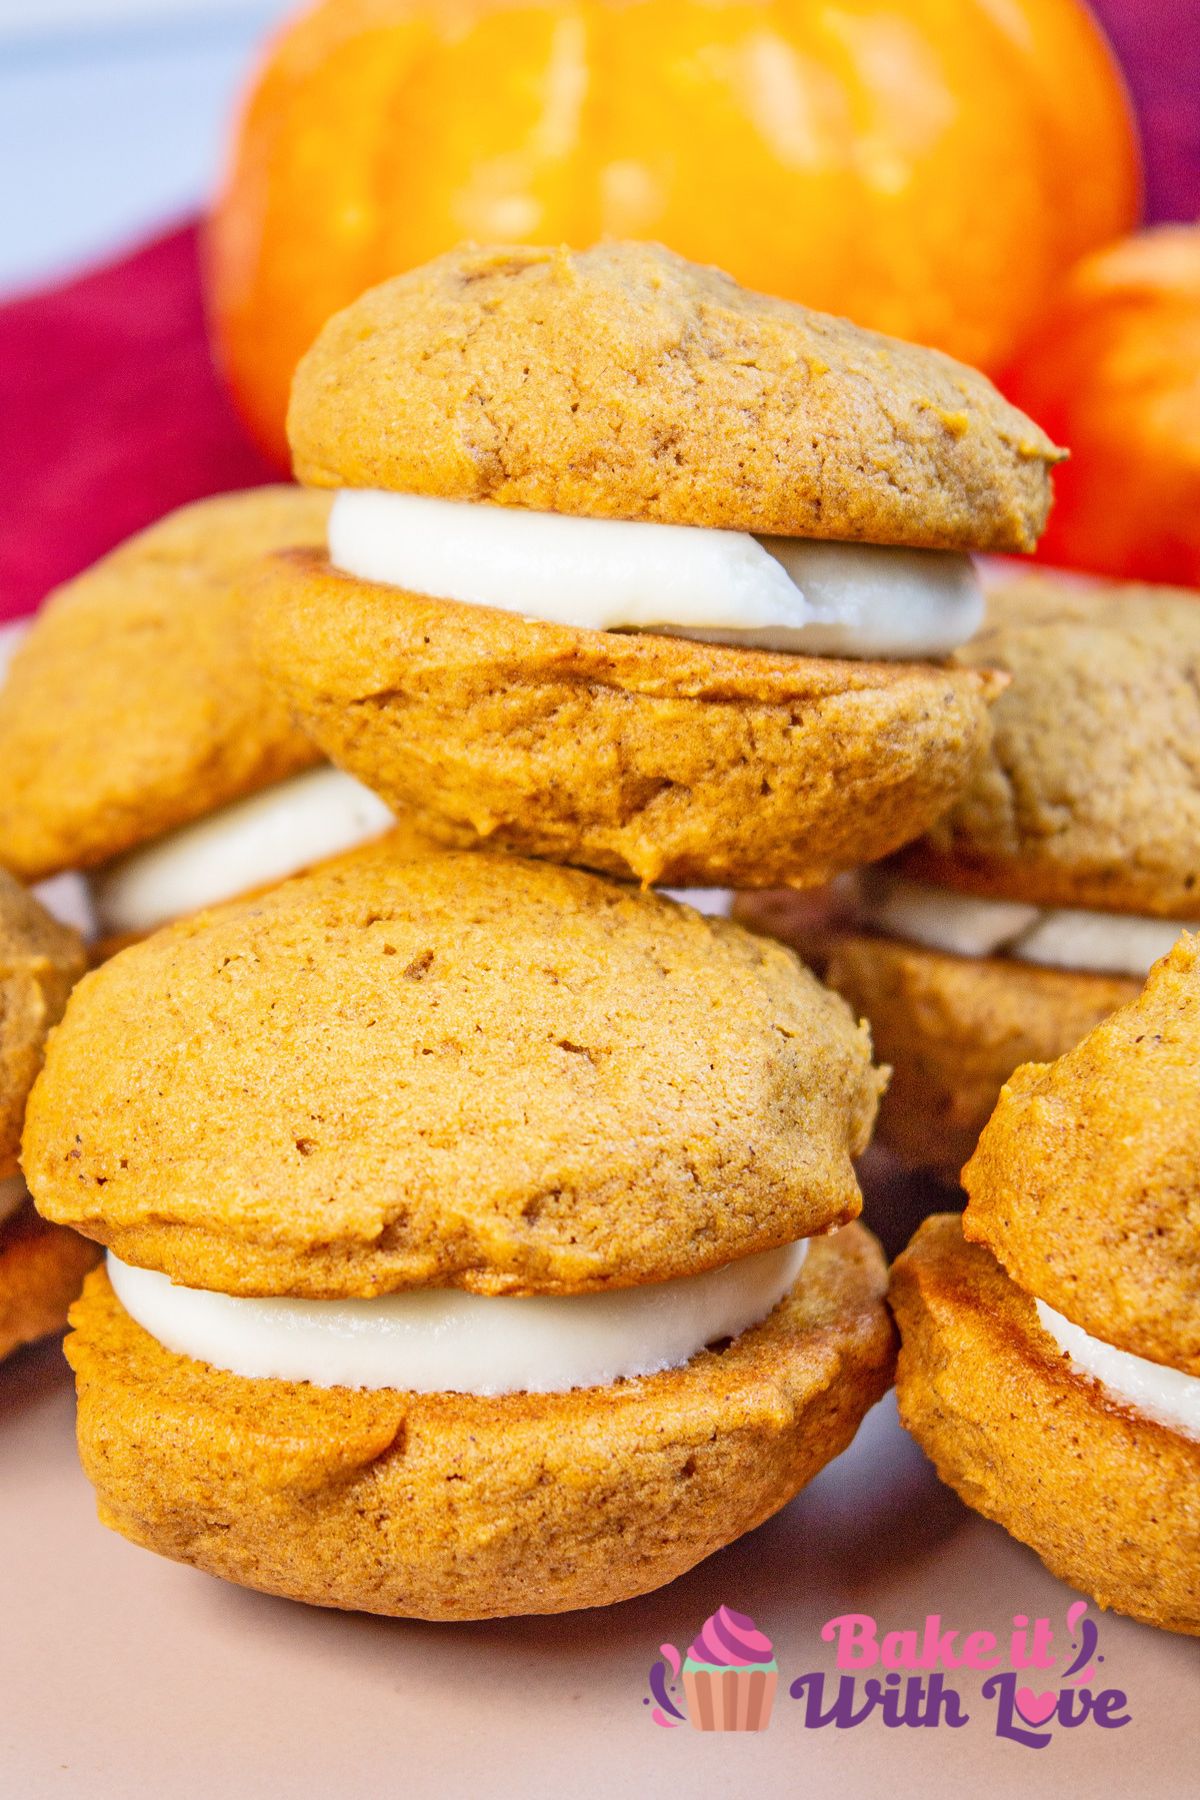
446, 1506
954, 1028
41, 1271
1109, 1499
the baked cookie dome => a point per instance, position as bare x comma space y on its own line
479, 1184
40, 962
41, 1272
1090, 794
132, 706
1037, 904
41, 1266
141, 746
953, 1028
449, 1070
625, 382
1108, 1497
1086, 1181
535, 451
1049, 1361
453, 1506
673, 762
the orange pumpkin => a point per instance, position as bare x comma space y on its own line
1114, 372
930, 167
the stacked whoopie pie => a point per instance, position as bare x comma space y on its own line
1050, 1359
1038, 904
140, 744
484, 1187
631, 568
479, 1228
41, 1266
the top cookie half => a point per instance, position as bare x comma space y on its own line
460, 1070
623, 382
1084, 1182
555, 466
1090, 794
133, 706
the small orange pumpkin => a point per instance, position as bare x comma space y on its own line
930, 167
1114, 371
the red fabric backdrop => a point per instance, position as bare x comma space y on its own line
112, 412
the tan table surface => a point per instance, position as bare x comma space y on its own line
122, 1675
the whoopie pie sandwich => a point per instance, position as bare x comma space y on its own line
1038, 903
478, 1235
1050, 1360
631, 568
140, 745
41, 1266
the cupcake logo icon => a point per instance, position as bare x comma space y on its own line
729, 1677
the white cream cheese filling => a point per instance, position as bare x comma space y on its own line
13, 1195
68, 898
784, 594
256, 841
1102, 943
716, 903
1168, 1396
439, 1340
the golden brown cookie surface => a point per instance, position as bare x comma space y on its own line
449, 1069
445, 1506
1090, 795
953, 1028
40, 961
622, 382
133, 707
1084, 1183
1109, 1499
674, 762
41, 1272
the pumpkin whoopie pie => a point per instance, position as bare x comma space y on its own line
1070, 863
41, 1266
1050, 1360
138, 741
482, 1183
631, 568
